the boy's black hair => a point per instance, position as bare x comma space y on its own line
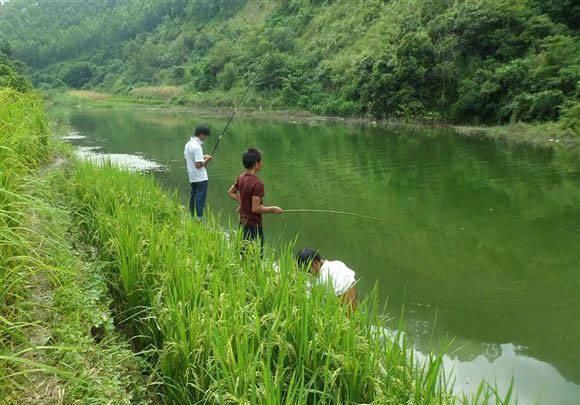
306, 256
250, 157
202, 129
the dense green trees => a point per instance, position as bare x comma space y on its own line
470, 61
11, 71
78, 75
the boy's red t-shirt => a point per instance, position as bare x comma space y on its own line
249, 185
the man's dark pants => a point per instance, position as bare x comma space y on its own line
197, 199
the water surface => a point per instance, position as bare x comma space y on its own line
479, 239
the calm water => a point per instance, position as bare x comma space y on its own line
480, 240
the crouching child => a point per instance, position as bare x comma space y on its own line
330, 272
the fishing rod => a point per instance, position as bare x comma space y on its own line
239, 103
351, 214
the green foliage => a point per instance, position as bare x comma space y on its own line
11, 79
11, 71
78, 75
468, 61
565, 11
49, 300
204, 10
571, 118
228, 76
273, 72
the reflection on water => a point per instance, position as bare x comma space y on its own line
478, 239
73, 136
132, 162
535, 381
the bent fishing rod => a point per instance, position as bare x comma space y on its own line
239, 103
332, 212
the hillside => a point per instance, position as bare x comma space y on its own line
462, 61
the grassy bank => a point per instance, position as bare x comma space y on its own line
57, 340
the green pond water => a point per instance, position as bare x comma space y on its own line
479, 240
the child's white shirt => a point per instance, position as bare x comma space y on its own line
338, 275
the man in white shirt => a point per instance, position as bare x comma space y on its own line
196, 170
332, 273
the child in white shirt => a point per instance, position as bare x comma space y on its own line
333, 273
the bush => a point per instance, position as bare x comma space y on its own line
78, 75
570, 118
539, 106
11, 79
155, 92
227, 77
273, 72
342, 108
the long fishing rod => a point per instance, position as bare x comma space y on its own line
351, 214
239, 103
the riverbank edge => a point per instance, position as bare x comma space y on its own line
70, 305
539, 134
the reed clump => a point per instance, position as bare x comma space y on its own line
220, 329
23, 147
156, 92
88, 94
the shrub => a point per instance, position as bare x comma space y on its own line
227, 77
78, 75
155, 92
11, 79
570, 118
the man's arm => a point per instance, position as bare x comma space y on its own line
206, 159
233, 193
259, 208
200, 159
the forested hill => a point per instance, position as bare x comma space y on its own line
469, 61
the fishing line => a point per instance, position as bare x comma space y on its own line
351, 214
239, 103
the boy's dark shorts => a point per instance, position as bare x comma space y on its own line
253, 233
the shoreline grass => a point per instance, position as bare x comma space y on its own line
51, 301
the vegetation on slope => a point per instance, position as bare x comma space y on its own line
11, 71
57, 339
467, 61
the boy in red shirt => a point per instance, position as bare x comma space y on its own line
248, 190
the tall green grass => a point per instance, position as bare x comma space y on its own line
225, 330
23, 148
49, 299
